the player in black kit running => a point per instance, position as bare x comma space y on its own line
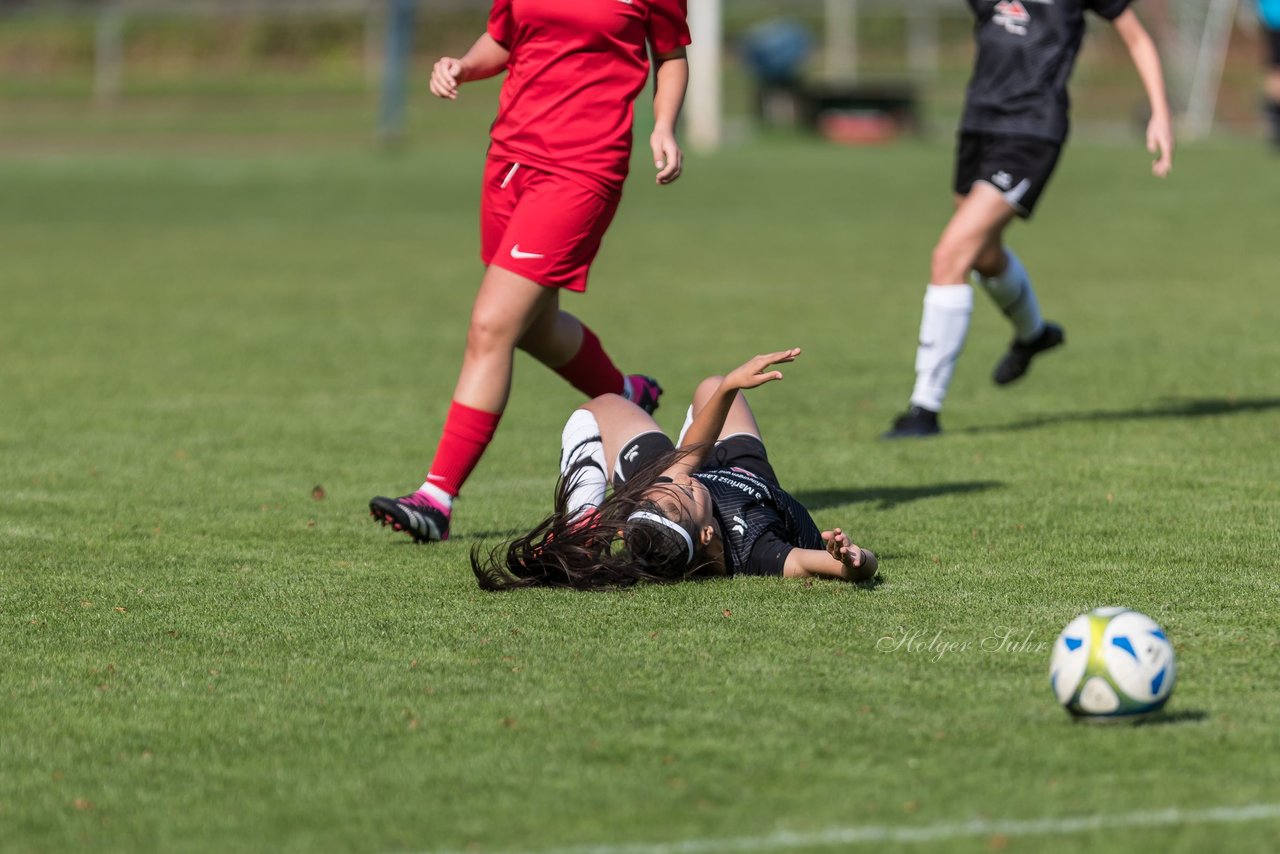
711, 507
1014, 125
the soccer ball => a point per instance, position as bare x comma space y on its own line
1112, 664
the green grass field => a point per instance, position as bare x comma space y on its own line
211, 362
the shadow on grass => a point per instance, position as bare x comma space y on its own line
1186, 408
1181, 716
509, 534
888, 497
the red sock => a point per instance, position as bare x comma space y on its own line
467, 432
591, 371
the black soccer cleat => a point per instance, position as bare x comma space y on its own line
916, 423
643, 392
1016, 361
415, 515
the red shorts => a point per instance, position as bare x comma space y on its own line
541, 226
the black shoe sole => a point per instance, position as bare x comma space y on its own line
387, 511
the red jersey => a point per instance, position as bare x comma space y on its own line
576, 68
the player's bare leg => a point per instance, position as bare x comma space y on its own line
740, 420
504, 309
619, 421
1000, 272
554, 336
590, 442
560, 341
979, 219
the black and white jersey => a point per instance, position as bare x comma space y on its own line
760, 522
1026, 52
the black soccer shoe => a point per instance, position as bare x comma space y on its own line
1015, 362
916, 423
644, 392
415, 515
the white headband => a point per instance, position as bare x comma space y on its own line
663, 520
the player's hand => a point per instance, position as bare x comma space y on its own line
667, 157
446, 76
755, 371
859, 564
1160, 143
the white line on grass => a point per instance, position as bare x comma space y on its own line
869, 834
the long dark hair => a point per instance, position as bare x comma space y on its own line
603, 551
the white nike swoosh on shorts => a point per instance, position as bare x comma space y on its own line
518, 255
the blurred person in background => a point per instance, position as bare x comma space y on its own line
558, 156
1014, 125
1269, 12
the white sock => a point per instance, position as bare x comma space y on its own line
943, 327
1012, 293
688, 422
438, 495
582, 452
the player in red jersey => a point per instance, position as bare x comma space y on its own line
559, 153
1014, 125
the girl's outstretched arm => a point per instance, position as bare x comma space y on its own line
671, 74
840, 559
1145, 58
709, 421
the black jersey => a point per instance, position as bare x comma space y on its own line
759, 521
1026, 51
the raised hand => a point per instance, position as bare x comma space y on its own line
755, 371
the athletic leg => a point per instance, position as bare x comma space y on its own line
740, 420
571, 349
619, 421
553, 238
948, 303
999, 272
500, 316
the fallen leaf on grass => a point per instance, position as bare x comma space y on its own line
317, 493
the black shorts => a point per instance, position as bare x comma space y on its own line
638, 453
1018, 166
743, 451
1272, 38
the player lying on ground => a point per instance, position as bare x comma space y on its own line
1014, 125
558, 155
710, 507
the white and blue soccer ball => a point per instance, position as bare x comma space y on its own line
1112, 664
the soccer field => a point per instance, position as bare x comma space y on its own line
211, 363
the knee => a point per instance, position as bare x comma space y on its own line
950, 263
706, 388
604, 401
488, 334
